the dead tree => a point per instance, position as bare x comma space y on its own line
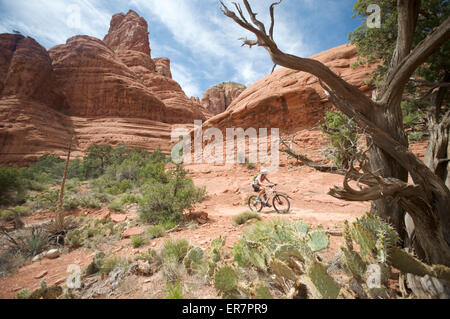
59, 219
427, 200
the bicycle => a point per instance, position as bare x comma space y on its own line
280, 201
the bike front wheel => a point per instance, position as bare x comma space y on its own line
255, 204
281, 204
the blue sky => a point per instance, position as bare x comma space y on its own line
201, 43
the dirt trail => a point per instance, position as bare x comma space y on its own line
228, 188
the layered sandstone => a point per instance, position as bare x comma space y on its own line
106, 92
128, 38
96, 82
289, 99
128, 32
218, 98
26, 71
162, 66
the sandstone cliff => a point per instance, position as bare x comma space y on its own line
288, 99
218, 98
101, 92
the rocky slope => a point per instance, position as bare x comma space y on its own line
218, 98
288, 99
109, 91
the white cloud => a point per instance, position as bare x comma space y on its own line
203, 42
211, 38
55, 21
185, 78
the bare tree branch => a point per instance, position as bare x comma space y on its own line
272, 18
342, 88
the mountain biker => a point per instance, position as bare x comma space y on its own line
258, 186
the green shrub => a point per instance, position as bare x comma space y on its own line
156, 231
175, 291
6, 215
34, 243
129, 199
116, 206
137, 241
109, 264
175, 249
9, 180
118, 188
415, 136
24, 294
245, 217
73, 184
84, 200
343, 134
251, 166
46, 200
163, 202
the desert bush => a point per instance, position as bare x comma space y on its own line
251, 166
154, 172
129, 199
24, 294
84, 200
166, 202
343, 134
156, 231
73, 184
10, 180
116, 206
34, 242
245, 217
111, 263
46, 200
137, 241
6, 215
175, 291
175, 249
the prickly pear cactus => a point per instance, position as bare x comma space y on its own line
366, 240
326, 285
302, 228
407, 263
216, 248
193, 258
260, 291
318, 240
281, 269
225, 280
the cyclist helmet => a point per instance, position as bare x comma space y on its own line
264, 172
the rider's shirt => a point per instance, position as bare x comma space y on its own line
259, 180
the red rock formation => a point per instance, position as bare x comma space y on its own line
108, 95
96, 83
217, 99
288, 99
123, 38
163, 67
26, 71
128, 32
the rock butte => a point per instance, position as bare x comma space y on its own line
289, 99
218, 98
111, 91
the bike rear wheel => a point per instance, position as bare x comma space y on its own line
281, 204
255, 204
